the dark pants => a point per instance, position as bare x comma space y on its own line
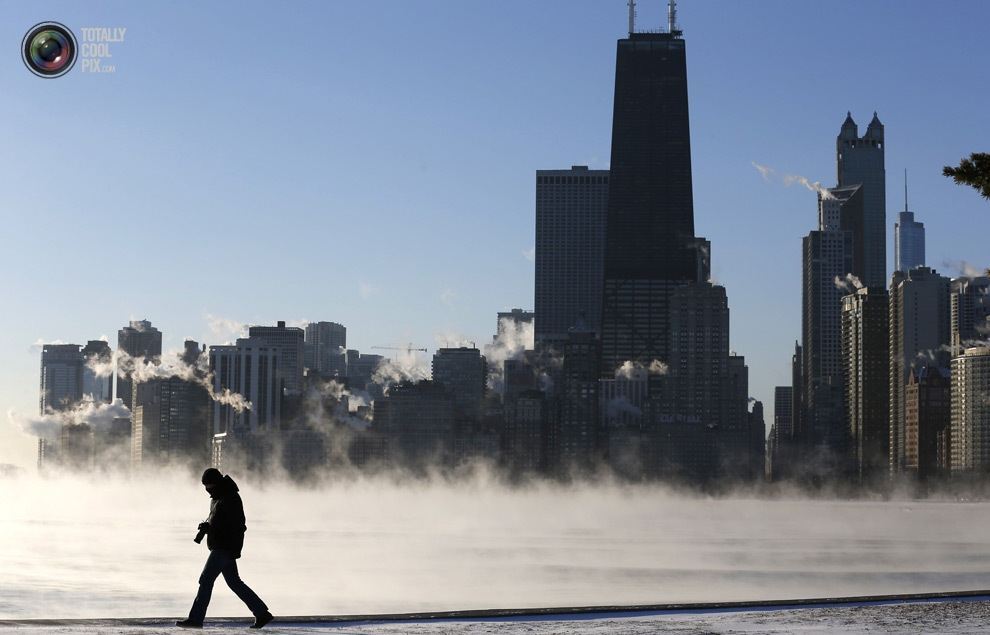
221, 561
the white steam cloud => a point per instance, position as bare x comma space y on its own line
97, 415
407, 366
512, 341
225, 330
638, 370
966, 269
171, 365
769, 174
850, 283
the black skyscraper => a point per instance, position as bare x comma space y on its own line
650, 247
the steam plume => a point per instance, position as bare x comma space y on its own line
788, 180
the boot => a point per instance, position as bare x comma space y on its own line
261, 620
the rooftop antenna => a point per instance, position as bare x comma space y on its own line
672, 16
632, 16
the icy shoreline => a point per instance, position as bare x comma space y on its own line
944, 613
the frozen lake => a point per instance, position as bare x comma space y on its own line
123, 548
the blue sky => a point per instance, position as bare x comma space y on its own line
373, 163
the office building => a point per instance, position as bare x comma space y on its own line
61, 377
143, 343
97, 382
783, 416
172, 422
918, 323
324, 345
969, 305
464, 373
417, 423
252, 369
574, 439
909, 239
866, 363
650, 245
927, 422
570, 242
290, 342
827, 257
860, 161
698, 362
524, 438
361, 369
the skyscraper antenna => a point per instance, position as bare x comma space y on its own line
672, 16
632, 16
905, 189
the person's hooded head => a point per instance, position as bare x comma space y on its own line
212, 480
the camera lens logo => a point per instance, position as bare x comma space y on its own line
49, 49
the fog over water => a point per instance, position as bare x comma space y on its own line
114, 547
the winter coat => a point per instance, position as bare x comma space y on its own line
226, 519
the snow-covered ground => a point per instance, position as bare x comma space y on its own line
930, 617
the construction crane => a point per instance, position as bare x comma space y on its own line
409, 348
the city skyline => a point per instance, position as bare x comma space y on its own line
464, 310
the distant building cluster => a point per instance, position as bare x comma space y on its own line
890, 376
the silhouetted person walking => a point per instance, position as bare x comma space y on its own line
224, 531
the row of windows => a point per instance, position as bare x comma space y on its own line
572, 180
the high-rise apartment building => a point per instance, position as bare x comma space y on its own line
172, 420
464, 373
97, 382
780, 444
969, 312
698, 362
927, 417
61, 377
860, 161
735, 434
918, 323
325, 343
290, 342
827, 258
139, 340
417, 423
574, 439
971, 411
783, 419
842, 210
251, 368
524, 440
866, 362
570, 243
